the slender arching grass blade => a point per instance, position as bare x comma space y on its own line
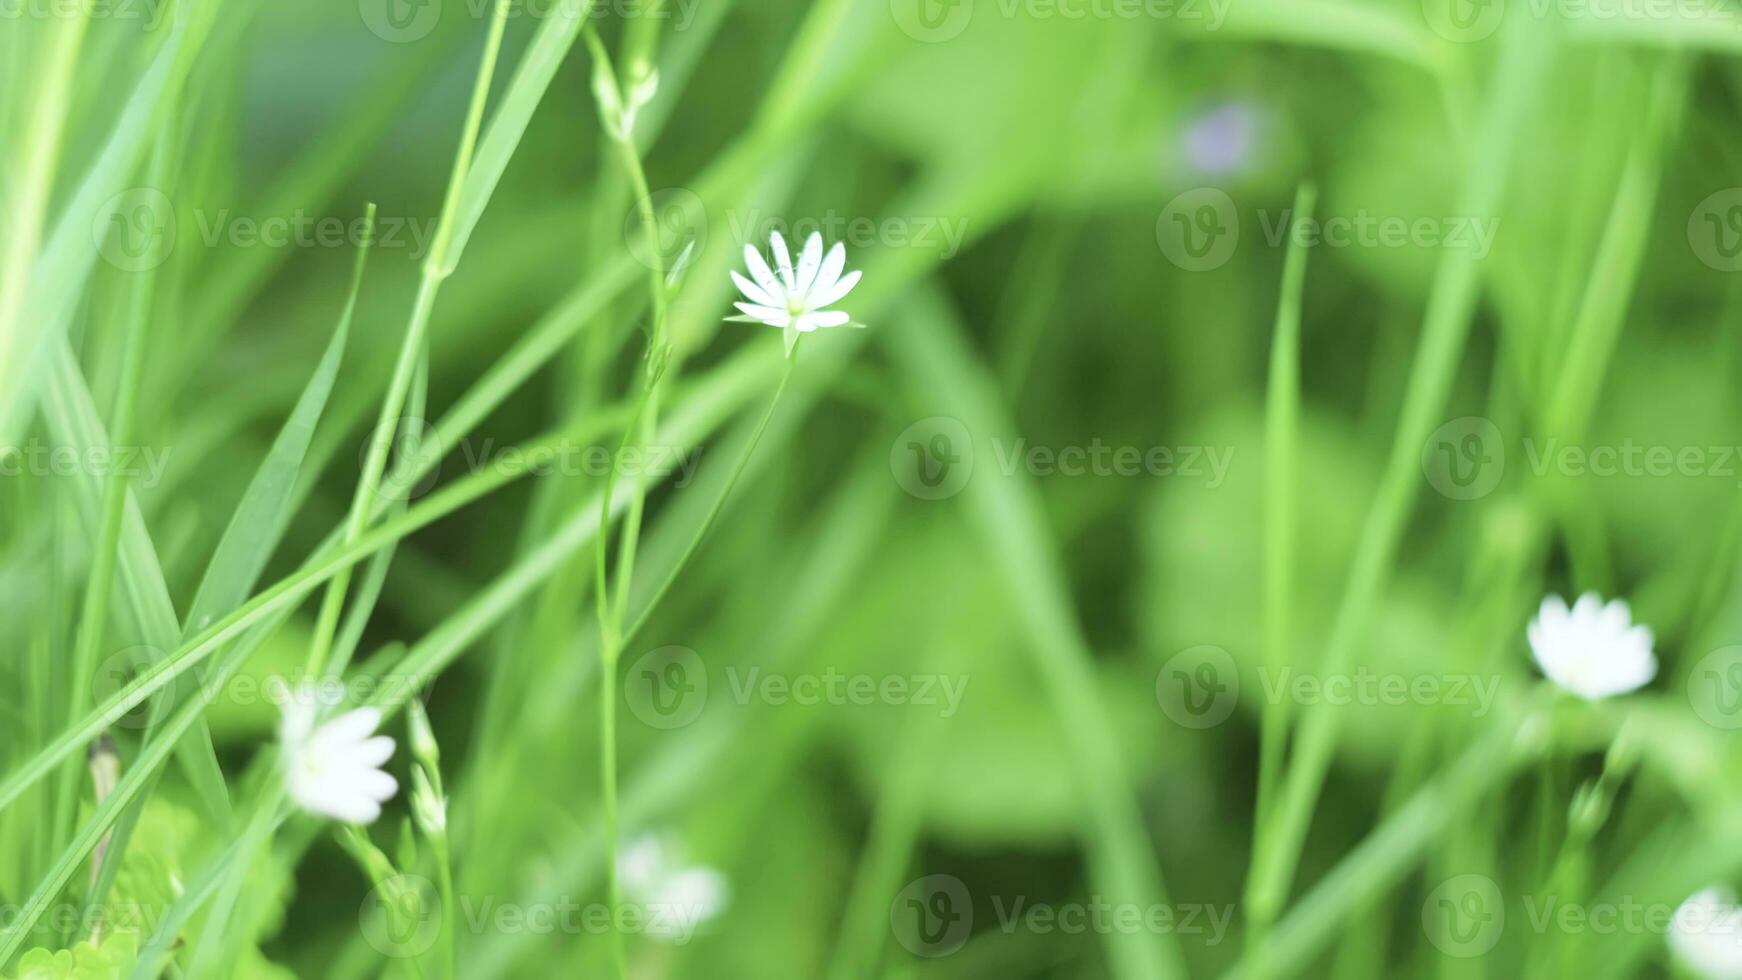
1451, 304
260, 517
1282, 456
927, 343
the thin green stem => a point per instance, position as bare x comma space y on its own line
719, 502
1282, 454
435, 270
619, 126
95, 612
608, 793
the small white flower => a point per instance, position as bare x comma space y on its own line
1593, 649
334, 769
1706, 935
676, 899
796, 298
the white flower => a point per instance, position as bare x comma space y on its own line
1706, 935
1592, 650
676, 899
796, 298
334, 770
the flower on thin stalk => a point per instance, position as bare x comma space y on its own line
333, 769
1706, 935
676, 898
1593, 649
796, 300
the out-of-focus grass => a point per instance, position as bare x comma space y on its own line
1011, 180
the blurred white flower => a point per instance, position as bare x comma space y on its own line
334, 769
1706, 935
676, 899
796, 298
1592, 650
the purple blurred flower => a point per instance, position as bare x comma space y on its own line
1220, 140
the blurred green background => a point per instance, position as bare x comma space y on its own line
982, 533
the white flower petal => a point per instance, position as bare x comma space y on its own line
334, 798
782, 258
830, 318
767, 314
1592, 650
1706, 935
344, 732
685, 900
334, 770
298, 719
828, 275
641, 864
372, 752
837, 292
1615, 616
372, 783
354, 809
760, 272
753, 292
809, 262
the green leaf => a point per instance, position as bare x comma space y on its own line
259, 520
86, 961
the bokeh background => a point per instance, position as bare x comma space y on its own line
987, 624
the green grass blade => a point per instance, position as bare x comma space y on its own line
260, 518
1122, 866
1451, 304
1282, 457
